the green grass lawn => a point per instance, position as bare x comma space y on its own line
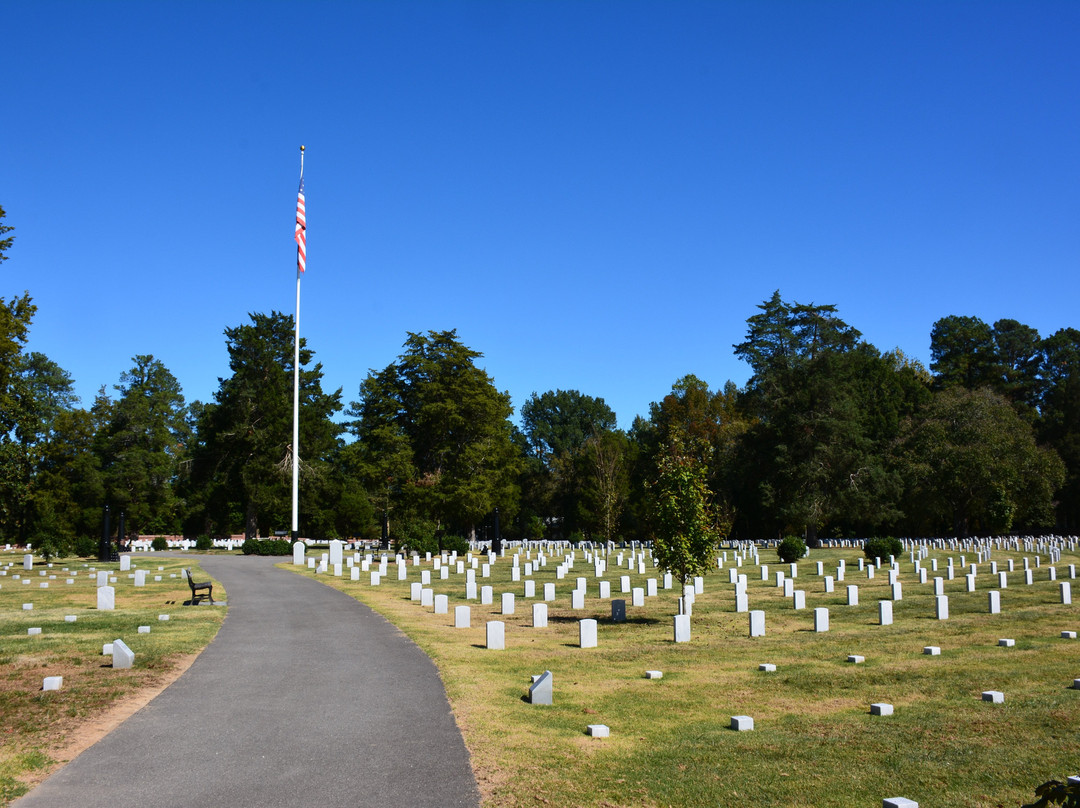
814, 742
35, 723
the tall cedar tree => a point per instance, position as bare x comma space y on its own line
242, 458
433, 430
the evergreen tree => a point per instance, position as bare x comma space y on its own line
142, 446
433, 430
242, 455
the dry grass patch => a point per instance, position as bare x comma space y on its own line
42, 730
814, 742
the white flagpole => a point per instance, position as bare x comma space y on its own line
296, 396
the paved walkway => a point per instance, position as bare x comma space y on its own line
305, 698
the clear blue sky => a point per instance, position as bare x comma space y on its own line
595, 194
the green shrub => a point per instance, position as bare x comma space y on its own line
85, 547
53, 548
204, 543
791, 549
159, 544
452, 543
883, 547
416, 536
267, 547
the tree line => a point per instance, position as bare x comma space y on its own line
829, 437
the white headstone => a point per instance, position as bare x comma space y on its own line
540, 615
941, 606
885, 612
682, 628
587, 633
462, 617
541, 690
821, 619
106, 598
122, 656
757, 623
496, 635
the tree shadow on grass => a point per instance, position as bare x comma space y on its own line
605, 621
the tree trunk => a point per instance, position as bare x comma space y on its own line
251, 521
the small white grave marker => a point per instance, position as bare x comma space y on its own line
598, 730
757, 623
821, 619
993, 696
122, 656
885, 612
106, 598
742, 723
52, 683
587, 633
932, 650
881, 708
681, 627
540, 690
654, 674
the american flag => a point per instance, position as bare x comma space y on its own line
301, 230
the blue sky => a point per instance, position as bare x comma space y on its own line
596, 195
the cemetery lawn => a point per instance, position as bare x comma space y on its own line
41, 730
814, 741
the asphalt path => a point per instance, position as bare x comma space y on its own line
306, 697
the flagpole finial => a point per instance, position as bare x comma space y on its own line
301, 147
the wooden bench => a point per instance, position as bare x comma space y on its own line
199, 587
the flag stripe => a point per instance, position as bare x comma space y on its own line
301, 230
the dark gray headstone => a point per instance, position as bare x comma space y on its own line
618, 611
